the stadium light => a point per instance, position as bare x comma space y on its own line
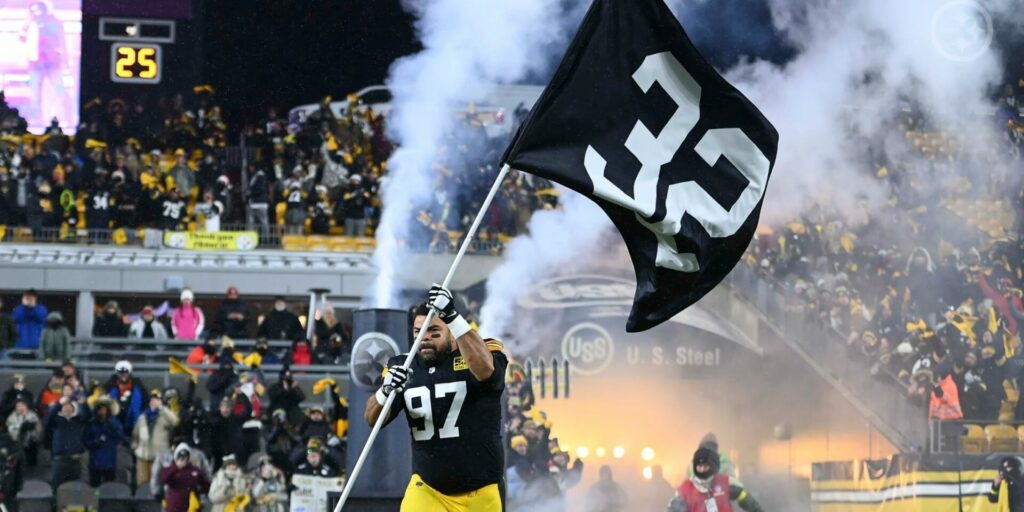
648, 474
582, 452
600, 452
647, 454
618, 452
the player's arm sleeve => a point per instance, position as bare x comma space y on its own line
496, 382
745, 500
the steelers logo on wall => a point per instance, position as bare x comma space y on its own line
370, 355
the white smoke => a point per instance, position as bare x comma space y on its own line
857, 65
556, 238
468, 47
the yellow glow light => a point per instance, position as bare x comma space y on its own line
618, 452
648, 474
600, 452
582, 452
647, 454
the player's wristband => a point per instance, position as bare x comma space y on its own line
381, 396
459, 326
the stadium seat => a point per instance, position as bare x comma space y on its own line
115, 497
35, 496
294, 243
1002, 438
342, 244
318, 243
144, 500
78, 494
974, 440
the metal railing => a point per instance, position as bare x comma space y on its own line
271, 237
903, 422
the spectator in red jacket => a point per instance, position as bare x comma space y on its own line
182, 479
301, 354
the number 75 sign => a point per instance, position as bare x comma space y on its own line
139, 63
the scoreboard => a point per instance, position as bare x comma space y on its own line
141, 50
136, 52
135, 63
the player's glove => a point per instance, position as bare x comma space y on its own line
395, 381
441, 300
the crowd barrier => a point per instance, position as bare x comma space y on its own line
906, 483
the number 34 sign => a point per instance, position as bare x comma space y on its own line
136, 63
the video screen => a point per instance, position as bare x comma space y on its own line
41, 60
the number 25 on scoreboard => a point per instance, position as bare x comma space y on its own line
135, 63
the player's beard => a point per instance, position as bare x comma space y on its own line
439, 353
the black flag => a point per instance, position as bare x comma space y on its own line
635, 119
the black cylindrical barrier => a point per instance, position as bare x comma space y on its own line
567, 376
543, 378
380, 334
554, 378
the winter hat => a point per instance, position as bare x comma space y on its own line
710, 442
519, 441
123, 366
182, 448
708, 457
187, 294
229, 459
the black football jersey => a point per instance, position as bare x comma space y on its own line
455, 422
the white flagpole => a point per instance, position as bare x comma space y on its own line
470, 235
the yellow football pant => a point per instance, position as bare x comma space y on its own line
420, 497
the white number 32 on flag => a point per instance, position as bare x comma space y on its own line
655, 151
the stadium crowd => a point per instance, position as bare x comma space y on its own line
253, 433
926, 284
134, 165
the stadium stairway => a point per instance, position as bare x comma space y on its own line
753, 300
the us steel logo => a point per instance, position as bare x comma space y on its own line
588, 347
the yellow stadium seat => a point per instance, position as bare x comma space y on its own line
342, 244
365, 244
23, 235
294, 243
974, 441
1002, 438
318, 243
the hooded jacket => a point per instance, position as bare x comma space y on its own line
180, 482
131, 399
148, 441
55, 339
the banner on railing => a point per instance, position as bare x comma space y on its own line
904, 483
212, 241
310, 493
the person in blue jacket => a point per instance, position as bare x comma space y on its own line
102, 435
129, 392
30, 317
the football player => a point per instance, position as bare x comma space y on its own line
451, 396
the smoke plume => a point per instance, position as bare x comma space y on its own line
556, 238
836, 103
468, 46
